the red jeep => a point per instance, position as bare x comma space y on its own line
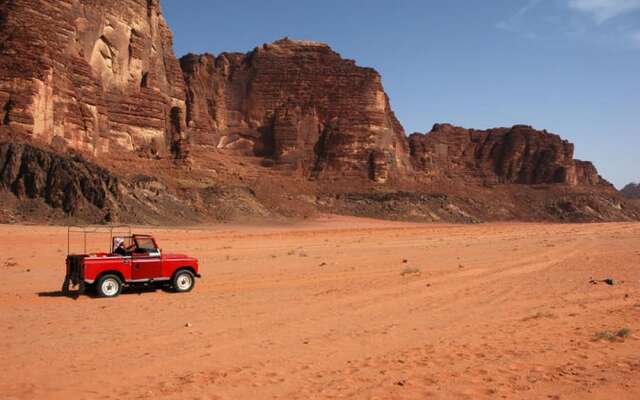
134, 260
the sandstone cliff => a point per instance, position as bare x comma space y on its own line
519, 155
40, 184
92, 75
288, 129
298, 103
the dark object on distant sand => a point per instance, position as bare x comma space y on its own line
608, 281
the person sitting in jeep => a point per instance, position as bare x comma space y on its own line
119, 249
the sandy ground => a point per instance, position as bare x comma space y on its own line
328, 309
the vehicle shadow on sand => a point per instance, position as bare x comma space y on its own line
74, 294
59, 293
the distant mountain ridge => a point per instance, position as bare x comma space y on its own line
631, 191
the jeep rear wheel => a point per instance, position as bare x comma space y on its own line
109, 286
184, 281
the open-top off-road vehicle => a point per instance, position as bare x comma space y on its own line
133, 260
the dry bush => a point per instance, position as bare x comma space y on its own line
410, 271
612, 336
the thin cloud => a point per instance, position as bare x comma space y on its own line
603, 10
540, 20
515, 23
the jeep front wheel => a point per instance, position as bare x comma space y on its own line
109, 286
183, 281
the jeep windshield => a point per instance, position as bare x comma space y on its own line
145, 245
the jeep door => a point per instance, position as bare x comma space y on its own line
146, 260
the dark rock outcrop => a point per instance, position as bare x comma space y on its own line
69, 183
631, 191
520, 155
94, 75
299, 103
70, 187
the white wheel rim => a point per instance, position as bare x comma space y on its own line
110, 287
184, 281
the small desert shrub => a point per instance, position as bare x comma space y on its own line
611, 336
623, 333
410, 271
604, 335
539, 315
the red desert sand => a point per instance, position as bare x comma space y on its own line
336, 308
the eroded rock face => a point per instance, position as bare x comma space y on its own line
100, 76
62, 186
94, 75
67, 183
631, 191
299, 103
520, 155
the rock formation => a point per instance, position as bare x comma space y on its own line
520, 155
68, 183
101, 76
299, 103
631, 191
284, 130
48, 184
92, 75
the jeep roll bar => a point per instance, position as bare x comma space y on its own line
112, 230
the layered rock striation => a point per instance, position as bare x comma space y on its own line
519, 155
298, 103
101, 76
93, 75
302, 105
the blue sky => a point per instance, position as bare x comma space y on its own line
569, 66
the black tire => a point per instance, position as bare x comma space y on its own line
183, 281
90, 288
109, 286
